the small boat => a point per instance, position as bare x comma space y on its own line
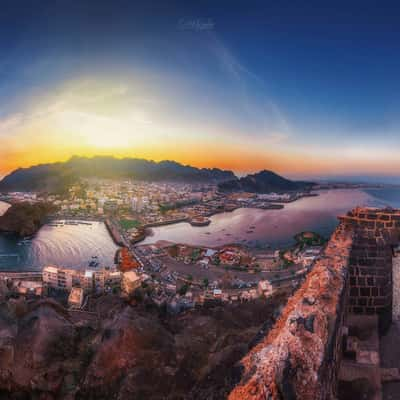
93, 264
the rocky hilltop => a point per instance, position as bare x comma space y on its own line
25, 219
264, 182
57, 176
125, 350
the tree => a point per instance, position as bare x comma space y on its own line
183, 289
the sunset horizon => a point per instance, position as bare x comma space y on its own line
186, 85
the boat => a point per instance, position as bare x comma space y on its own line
200, 221
71, 223
94, 263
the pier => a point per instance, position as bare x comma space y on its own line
115, 234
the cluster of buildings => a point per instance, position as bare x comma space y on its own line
226, 255
129, 207
80, 283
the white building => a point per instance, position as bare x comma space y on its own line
75, 298
264, 288
58, 278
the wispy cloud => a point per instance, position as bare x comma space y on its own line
262, 111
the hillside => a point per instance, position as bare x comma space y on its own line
132, 352
56, 176
25, 219
263, 182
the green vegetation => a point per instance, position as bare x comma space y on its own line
287, 263
183, 289
173, 206
25, 219
309, 239
129, 223
195, 254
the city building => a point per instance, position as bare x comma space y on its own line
58, 278
130, 281
264, 288
75, 298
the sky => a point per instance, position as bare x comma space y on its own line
302, 88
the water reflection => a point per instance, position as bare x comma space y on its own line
66, 245
74, 245
271, 227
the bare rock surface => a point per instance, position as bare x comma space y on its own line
132, 351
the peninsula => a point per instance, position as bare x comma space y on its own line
25, 219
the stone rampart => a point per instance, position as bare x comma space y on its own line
300, 357
376, 232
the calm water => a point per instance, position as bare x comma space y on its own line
277, 227
74, 245
68, 245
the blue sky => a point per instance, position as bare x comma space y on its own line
304, 88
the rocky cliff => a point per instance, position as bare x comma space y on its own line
125, 351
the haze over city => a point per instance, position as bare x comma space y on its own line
308, 90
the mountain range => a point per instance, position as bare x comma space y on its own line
56, 177
263, 182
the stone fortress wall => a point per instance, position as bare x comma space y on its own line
300, 357
376, 235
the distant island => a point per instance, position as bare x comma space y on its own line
25, 219
55, 177
264, 182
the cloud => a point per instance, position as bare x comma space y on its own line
11, 122
264, 116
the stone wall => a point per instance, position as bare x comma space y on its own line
370, 270
300, 357
396, 285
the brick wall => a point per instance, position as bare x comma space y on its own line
396, 285
370, 265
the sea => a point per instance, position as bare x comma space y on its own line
277, 228
74, 245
